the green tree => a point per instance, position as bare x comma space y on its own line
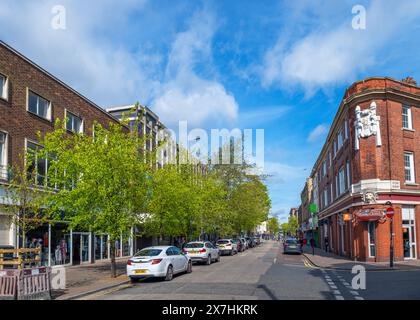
293, 225
22, 198
103, 180
273, 225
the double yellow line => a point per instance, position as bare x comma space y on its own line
308, 263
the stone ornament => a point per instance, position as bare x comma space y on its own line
369, 197
367, 124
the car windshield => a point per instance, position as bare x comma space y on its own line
291, 241
194, 245
222, 241
148, 253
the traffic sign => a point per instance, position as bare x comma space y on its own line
390, 212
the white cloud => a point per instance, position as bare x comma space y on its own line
185, 95
332, 55
318, 132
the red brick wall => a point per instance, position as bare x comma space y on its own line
21, 124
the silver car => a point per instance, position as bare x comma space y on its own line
202, 251
292, 246
227, 246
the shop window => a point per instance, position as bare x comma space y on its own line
372, 238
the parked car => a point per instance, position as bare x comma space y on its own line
292, 246
239, 244
158, 261
202, 251
251, 242
244, 243
257, 240
227, 246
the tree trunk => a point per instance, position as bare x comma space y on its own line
113, 262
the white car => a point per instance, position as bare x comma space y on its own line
158, 261
202, 251
227, 246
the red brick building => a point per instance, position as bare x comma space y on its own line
371, 157
31, 99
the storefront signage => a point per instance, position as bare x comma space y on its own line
369, 214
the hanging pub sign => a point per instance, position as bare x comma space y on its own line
369, 214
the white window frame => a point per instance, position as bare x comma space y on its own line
325, 197
5, 89
346, 130
348, 174
371, 223
4, 161
409, 117
339, 139
45, 183
342, 186
410, 168
66, 113
49, 109
331, 193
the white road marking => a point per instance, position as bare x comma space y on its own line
339, 297
359, 298
355, 293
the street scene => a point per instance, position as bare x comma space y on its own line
209, 150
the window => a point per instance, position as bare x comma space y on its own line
3, 87
331, 193
339, 139
348, 174
74, 123
3, 155
409, 167
371, 238
337, 192
38, 167
325, 197
324, 167
346, 130
406, 117
39, 106
341, 180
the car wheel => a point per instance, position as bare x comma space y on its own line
218, 258
169, 274
189, 267
134, 280
232, 252
208, 262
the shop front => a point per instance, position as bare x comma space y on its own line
63, 246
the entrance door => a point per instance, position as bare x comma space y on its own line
409, 233
80, 247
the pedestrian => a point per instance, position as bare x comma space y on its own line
312, 242
327, 245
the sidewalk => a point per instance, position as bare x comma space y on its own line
329, 260
91, 278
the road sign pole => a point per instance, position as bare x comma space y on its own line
391, 248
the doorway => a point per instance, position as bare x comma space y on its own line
409, 233
80, 246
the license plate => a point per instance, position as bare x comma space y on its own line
141, 271
292, 247
221, 246
193, 252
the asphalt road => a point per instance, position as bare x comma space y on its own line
266, 273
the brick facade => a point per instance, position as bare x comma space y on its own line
373, 168
21, 125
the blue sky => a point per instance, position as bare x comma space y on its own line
282, 66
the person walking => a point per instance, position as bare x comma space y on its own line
327, 245
312, 242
